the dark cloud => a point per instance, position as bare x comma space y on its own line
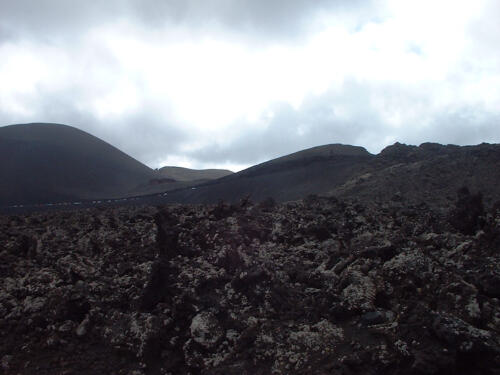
61, 19
263, 17
5, 35
148, 137
46, 19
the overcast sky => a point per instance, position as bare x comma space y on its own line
230, 83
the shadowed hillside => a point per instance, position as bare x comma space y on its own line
186, 174
312, 171
51, 162
430, 172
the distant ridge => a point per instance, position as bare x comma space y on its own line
44, 162
429, 173
54, 163
187, 174
312, 171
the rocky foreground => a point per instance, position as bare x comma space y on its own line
318, 286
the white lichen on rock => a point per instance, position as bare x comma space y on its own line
205, 329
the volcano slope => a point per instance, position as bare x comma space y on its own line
312, 171
430, 172
187, 174
319, 286
48, 163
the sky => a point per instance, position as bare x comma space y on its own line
232, 83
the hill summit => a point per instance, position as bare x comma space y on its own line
51, 162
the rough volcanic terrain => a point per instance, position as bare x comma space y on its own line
319, 286
47, 163
430, 172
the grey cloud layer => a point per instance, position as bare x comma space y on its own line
266, 18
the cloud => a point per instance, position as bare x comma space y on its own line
268, 19
337, 116
462, 126
48, 19
359, 113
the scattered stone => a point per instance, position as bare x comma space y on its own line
82, 328
315, 287
373, 317
205, 329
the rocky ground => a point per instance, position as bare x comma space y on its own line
319, 286
430, 172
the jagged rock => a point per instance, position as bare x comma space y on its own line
490, 284
316, 287
205, 329
463, 336
83, 327
373, 317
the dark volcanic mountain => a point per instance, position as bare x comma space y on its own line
50, 162
176, 178
44, 163
313, 171
187, 174
430, 172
